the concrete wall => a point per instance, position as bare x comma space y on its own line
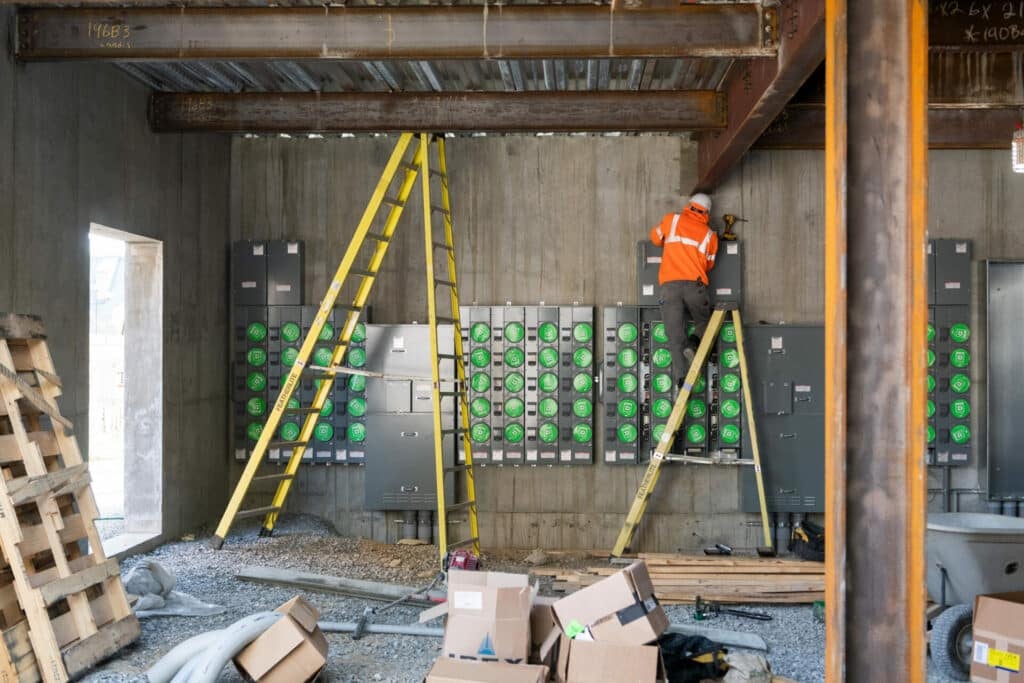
74, 149
556, 219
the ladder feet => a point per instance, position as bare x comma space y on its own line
265, 532
216, 542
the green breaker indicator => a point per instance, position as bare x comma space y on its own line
960, 383
583, 332
326, 332
931, 358
323, 432
627, 333
548, 333
480, 332
960, 434
290, 332
696, 434
659, 333
730, 408
548, 357
357, 383
256, 332
515, 332
289, 431
626, 408
514, 407
661, 408
661, 358
548, 407
626, 358
514, 433
322, 356
627, 383
256, 357
582, 383
480, 382
359, 333
730, 383
696, 408
959, 333
931, 383
931, 434
548, 432
288, 356
480, 433
582, 433
931, 333
253, 431
548, 382
931, 408
480, 407
514, 382
627, 433
582, 358
357, 432
662, 383
256, 381
256, 406
960, 408
657, 432
582, 407
514, 357
328, 408
730, 358
356, 358
730, 434
728, 333
357, 407
960, 358
480, 358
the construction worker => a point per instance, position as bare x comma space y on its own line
688, 252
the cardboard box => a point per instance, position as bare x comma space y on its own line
542, 625
621, 608
596, 662
998, 638
291, 651
488, 616
460, 671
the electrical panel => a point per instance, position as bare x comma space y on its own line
626, 423
285, 265
250, 364
249, 273
1005, 478
726, 278
949, 440
787, 371
531, 383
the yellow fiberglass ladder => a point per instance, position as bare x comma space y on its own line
675, 419
410, 159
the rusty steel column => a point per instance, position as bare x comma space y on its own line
875, 449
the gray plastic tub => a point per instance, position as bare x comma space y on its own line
981, 553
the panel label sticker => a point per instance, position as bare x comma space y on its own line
732, 249
952, 285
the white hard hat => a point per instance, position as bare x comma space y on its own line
702, 200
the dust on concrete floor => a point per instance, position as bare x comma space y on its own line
306, 543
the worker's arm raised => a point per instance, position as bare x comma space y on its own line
712, 251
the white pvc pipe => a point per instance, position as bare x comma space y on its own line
164, 670
235, 637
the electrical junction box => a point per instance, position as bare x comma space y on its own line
726, 278
285, 272
249, 273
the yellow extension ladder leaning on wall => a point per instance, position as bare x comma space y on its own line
421, 147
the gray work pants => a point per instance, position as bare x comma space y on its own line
679, 298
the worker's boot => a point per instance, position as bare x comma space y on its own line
689, 352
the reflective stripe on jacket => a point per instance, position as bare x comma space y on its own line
688, 247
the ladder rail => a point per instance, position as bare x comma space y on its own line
675, 419
758, 475
294, 375
351, 321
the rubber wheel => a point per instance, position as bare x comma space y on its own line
951, 642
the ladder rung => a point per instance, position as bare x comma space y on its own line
438, 173
286, 444
465, 505
349, 307
307, 409
408, 166
394, 202
456, 468
463, 543
273, 477
449, 393
378, 237
444, 283
363, 273
442, 245
448, 356
453, 431
257, 512
449, 321
441, 209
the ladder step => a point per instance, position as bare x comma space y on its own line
442, 245
448, 356
286, 444
394, 202
455, 468
307, 409
349, 307
363, 273
257, 512
466, 505
274, 477
444, 283
437, 173
441, 209
408, 166
463, 543
378, 237
448, 321
453, 431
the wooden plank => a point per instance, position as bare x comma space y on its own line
62, 588
10, 452
97, 647
19, 656
34, 538
19, 326
24, 489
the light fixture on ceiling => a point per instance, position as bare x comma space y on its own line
1017, 148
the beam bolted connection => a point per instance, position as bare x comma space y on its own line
758, 89
459, 32
469, 111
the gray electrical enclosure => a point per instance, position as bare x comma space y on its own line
400, 473
787, 373
1005, 379
726, 277
285, 269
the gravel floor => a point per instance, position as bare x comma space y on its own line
795, 638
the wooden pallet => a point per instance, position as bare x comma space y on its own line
74, 605
681, 578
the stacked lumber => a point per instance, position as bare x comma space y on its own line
679, 579
62, 605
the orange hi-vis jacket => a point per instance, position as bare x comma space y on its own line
688, 247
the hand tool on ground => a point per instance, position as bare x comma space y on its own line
364, 619
704, 610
